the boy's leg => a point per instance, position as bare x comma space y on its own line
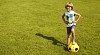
73, 35
68, 35
68, 39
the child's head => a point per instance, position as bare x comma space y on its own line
69, 6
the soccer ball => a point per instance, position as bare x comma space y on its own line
73, 48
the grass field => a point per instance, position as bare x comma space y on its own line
35, 27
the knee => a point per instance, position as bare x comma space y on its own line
68, 36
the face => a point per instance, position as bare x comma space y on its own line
68, 8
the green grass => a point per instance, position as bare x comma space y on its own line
35, 27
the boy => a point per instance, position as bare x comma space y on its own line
70, 21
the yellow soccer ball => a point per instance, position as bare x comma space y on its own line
73, 48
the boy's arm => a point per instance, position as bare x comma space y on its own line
78, 16
64, 19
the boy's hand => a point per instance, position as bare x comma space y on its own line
75, 21
66, 22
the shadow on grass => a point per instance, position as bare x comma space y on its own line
55, 42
